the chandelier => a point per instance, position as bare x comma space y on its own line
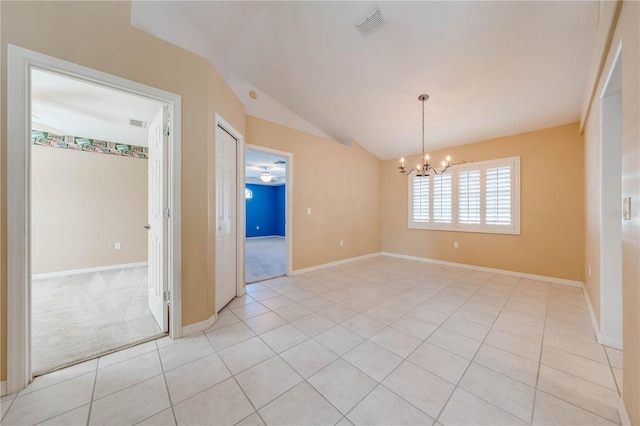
425, 168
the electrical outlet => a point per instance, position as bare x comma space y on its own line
257, 226
341, 243
456, 245
308, 211
118, 246
589, 270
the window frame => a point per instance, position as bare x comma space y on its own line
514, 228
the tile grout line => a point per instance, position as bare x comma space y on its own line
576, 406
233, 376
572, 375
411, 353
56, 383
93, 391
304, 380
457, 385
209, 387
8, 408
166, 385
615, 380
544, 327
450, 283
581, 378
339, 357
379, 383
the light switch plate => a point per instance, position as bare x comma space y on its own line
626, 208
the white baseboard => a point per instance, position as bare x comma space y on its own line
336, 263
544, 278
199, 326
265, 236
87, 270
603, 339
623, 413
592, 314
612, 342
3, 388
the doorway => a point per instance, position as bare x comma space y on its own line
163, 282
611, 223
268, 204
95, 175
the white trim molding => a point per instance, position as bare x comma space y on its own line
87, 270
552, 280
20, 63
199, 326
610, 341
336, 263
3, 388
623, 413
603, 339
220, 122
592, 313
288, 209
265, 236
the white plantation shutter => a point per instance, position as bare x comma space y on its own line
469, 197
442, 198
481, 196
498, 196
420, 205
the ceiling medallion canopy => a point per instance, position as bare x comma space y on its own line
425, 168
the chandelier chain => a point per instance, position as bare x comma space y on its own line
423, 128
425, 168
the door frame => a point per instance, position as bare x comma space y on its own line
288, 214
218, 121
610, 327
20, 63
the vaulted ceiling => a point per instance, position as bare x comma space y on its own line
491, 68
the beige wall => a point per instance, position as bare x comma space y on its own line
82, 204
627, 32
552, 202
341, 186
102, 38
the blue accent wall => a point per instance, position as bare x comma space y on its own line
280, 209
265, 211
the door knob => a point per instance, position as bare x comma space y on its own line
147, 227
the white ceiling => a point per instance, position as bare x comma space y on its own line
256, 163
87, 110
491, 68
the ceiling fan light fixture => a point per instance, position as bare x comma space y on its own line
266, 177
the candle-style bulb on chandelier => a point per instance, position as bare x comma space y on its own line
425, 168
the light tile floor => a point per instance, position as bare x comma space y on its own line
380, 341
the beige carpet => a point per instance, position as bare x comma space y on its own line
264, 258
80, 316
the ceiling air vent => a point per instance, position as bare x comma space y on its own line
137, 123
371, 22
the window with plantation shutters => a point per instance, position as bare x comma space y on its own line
442, 198
498, 195
469, 197
420, 210
472, 197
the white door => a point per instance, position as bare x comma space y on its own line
225, 163
156, 227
